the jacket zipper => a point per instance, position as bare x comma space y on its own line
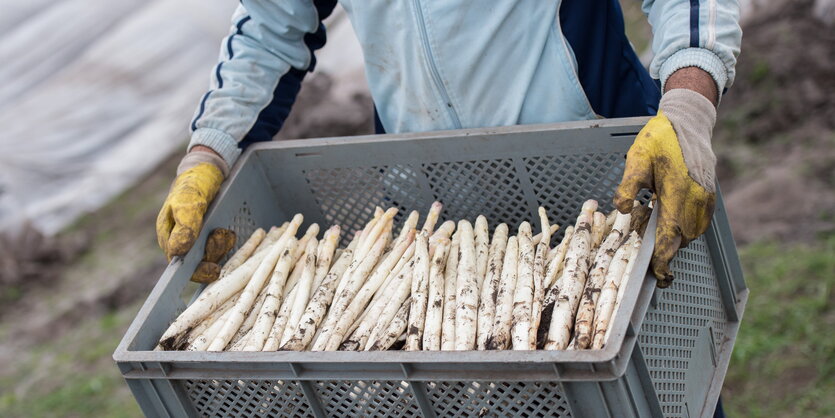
433, 69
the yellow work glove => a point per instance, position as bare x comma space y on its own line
200, 175
672, 157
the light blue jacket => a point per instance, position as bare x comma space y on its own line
448, 64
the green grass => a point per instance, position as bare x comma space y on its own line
783, 362
72, 376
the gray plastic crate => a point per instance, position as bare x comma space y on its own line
667, 354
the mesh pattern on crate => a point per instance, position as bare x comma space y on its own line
497, 399
562, 183
347, 196
670, 329
372, 398
471, 188
247, 398
243, 226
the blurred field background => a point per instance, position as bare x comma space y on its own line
66, 300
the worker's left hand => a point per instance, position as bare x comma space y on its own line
672, 157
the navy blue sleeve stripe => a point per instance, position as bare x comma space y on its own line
694, 23
219, 79
272, 117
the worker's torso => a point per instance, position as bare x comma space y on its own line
447, 64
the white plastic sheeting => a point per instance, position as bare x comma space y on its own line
98, 92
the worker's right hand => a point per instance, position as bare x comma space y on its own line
200, 175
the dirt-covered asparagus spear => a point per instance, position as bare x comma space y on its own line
490, 287
573, 280
499, 338
420, 294
523, 297
608, 296
466, 297
450, 289
597, 276
435, 304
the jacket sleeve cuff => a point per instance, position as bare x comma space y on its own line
219, 141
695, 57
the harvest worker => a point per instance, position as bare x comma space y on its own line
450, 64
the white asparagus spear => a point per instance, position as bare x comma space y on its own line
215, 295
280, 323
598, 229
624, 282
400, 263
251, 317
490, 287
272, 301
272, 236
304, 286
201, 342
315, 311
409, 224
597, 276
420, 293
376, 232
325, 254
246, 250
610, 221
523, 297
500, 334
245, 301
466, 298
435, 304
208, 301
542, 247
239, 345
442, 233
356, 277
630, 266
556, 257
573, 280
482, 248
402, 252
450, 288
394, 329
432, 217
365, 231
298, 255
608, 296
210, 319
548, 305
401, 287
551, 231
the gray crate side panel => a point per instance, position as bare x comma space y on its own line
685, 328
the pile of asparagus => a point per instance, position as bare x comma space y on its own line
450, 288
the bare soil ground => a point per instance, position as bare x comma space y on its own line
775, 137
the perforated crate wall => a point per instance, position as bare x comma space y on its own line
372, 398
349, 398
671, 328
503, 190
497, 399
247, 398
